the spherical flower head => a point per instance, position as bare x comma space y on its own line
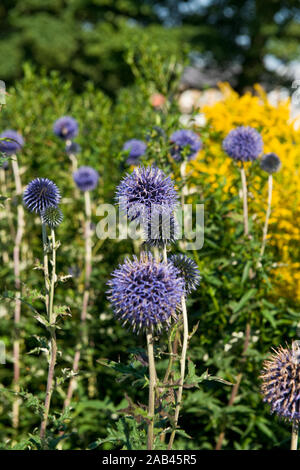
160, 230
52, 216
281, 383
146, 190
146, 293
185, 143
66, 128
270, 163
136, 149
243, 143
72, 148
86, 178
188, 270
14, 143
40, 194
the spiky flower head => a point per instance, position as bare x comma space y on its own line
52, 216
144, 191
136, 149
160, 230
72, 148
270, 163
243, 143
146, 293
188, 270
281, 383
40, 194
185, 142
14, 143
86, 178
66, 128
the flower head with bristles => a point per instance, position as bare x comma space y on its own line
136, 149
144, 191
188, 270
52, 216
86, 178
185, 141
10, 142
281, 383
146, 293
40, 194
243, 144
66, 127
160, 230
270, 163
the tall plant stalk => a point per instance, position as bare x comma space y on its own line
245, 200
88, 270
294, 439
51, 320
268, 213
152, 387
182, 369
17, 269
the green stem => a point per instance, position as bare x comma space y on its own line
268, 213
46, 268
182, 369
53, 345
88, 270
152, 386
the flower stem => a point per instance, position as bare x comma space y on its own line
268, 213
152, 386
46, 268
88, 270
53, 345
245, 201
294, 440
17, 315
182, 369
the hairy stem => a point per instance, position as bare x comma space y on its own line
46, 268
17, 314
88, 270
245, 201
152, 386
53, 345
294, 439
268, 213
182, 369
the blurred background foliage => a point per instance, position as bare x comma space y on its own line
110, 58
86, 39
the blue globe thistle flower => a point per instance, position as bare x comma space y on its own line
40, 194
136, 148
86, 178
10, 147
161, 230
188, 271
270, 163
72, 148
52, 216
243, 143
66, 128
144, 191
185, 141
281, 383
146, 293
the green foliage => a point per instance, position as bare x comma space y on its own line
108, 407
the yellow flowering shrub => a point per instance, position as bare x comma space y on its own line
279, 136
